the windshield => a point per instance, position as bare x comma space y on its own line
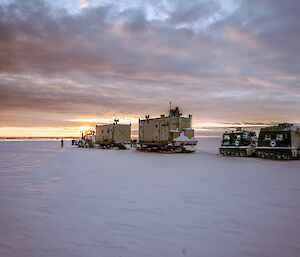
278, 136
226, 137
237, 137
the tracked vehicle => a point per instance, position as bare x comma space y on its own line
87, 139
238, 143
281, 142
172, 133
113, 135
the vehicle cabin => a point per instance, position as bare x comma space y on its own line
283, 135
238, 137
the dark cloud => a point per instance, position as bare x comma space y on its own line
193, 12
272, 24
237, 65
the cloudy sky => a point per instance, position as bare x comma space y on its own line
67, 64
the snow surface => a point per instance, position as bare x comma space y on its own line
183, 138
59, 202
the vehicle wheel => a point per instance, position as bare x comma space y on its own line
242, 154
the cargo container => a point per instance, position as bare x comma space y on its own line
172, 133
281, 142
111, 135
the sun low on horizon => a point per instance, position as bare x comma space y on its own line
67, 65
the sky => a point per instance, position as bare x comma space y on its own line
66, 65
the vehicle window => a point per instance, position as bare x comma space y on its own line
267, 137
245, 135
226, 137
279, 137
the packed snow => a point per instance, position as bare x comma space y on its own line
62, 202
183, 138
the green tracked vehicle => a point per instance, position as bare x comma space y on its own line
280, 142
239, 143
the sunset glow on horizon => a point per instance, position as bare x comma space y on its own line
201, 129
